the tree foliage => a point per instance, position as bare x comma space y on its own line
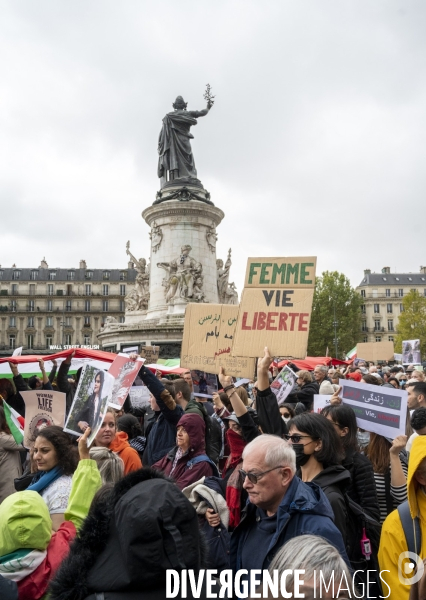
412, 322
334, 291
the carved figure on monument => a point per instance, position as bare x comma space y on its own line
211, 237
156, 236
223, 277
138, 298
231, 296
109, 321
184, 274
174, 147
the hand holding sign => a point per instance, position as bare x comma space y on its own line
335, 398
83, 448
398, 445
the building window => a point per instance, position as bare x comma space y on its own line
16, 275
87, 321
86, 340
390, 324
375, 294
89, 275
13, 306
122, 306
377, 325
105, 275
390, 338
123, 275
50, 305
34, 275
68, 339
71, 275
378, 338
389, 308
12, 341
30, 321
12, 321
377, 308
32, 289
388, 292
14, 289
50, 290
105, 290
52, 275
49, 341
365, 339
104, 305
49, 321
88, 289
68, 305
364, 326
31, 305
67, 321
363, 293
401, 308
363, 308
123, 290
87, 305
1, 274
400, 292
121, 319
30, 341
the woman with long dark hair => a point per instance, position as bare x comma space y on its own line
10, 459
89, 414
56, 459
362, 488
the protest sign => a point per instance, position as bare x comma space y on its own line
207, 340
411, 352
131, 350
139, 396
375, 351
124, 372
275, 307
283, 384
17, 351
150, 353
397, 357
321, 401
42, 409
93, 394
204, 384
377, 409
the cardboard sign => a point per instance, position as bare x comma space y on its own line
283, 384
42, 409
139, 396
150, 353
375, 351
276, 307
91, 400
124, 372
208, 338
377, 409
204, 384
131, 350
321, 401
411, 352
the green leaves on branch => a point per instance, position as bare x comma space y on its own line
412, 321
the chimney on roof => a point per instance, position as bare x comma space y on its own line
83, 264
367, 271
130, 265
423, 270
43, 264
386, 270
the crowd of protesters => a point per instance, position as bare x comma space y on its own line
236, 483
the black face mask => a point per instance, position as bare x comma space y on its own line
301, 457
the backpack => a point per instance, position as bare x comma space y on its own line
411, 527
202, 458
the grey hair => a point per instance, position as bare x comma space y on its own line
276, 451
320, 560
322, 368
110, 465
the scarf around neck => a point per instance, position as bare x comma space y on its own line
44, 479
21, 563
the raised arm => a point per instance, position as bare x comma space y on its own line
249, 427
269, 415
46, 382
172, 412
62, 378
18, 380
52, 373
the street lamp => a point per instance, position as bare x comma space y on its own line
335, 324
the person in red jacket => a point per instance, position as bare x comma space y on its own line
109, 437
187, 462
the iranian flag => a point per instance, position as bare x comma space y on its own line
15, 422
351, 354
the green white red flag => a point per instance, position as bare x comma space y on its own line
15, 422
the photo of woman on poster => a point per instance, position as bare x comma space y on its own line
89, 414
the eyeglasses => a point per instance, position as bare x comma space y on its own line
254, 477
295, 438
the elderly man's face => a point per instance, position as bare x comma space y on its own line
318, 374
268, 492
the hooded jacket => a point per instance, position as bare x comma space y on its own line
128, 541
128, 455
392, 540
305, 394
184, 476
304, 509
26, 532
334, 481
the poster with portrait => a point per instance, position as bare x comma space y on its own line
411, 352
91, 400
42, 409
124, 372
204, 384
283, 384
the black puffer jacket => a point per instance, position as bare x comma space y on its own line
305, 394
334, 481
128, 541
362, 487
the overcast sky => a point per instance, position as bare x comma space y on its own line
315, 145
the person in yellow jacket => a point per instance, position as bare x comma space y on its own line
392, 540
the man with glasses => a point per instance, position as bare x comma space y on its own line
280, 506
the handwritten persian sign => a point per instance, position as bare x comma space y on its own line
150, 353
276, 307
208, 336
42, 409
377, 409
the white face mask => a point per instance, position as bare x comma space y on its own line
286, 419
